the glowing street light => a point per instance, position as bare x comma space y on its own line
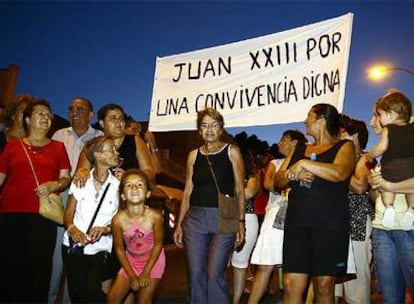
379, 72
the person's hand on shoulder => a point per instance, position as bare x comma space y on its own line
80, 177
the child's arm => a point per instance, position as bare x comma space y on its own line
144, 278
381, 146
120, 250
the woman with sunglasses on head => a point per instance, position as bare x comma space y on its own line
87, 242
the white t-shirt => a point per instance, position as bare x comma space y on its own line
87, 201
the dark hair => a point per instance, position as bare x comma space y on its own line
127, 173
29, 110
90, 106
344, 121
94, 145
213, 113
331, 115
13, 107
102, 112
355, 126
296, 135
397, 102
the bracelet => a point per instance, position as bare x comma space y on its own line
70, 227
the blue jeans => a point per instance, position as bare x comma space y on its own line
394, 263
208, 254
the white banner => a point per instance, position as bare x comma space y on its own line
266, 80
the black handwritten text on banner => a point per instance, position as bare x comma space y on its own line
266, 80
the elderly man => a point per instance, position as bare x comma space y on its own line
74, 138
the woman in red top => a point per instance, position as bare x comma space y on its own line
27, 240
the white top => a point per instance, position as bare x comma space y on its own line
269, 244
87, 201
73, 143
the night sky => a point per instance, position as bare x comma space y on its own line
106, 51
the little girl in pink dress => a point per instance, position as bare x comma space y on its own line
140, 229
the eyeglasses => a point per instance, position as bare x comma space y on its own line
43, 114
109, 149
214, 126
79, 110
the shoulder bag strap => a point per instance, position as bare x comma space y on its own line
97, 208
212, 172
30, 162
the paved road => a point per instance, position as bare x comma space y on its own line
173, 287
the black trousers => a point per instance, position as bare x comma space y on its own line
27, 242
85, 274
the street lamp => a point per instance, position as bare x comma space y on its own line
379, 72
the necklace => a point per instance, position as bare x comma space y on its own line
213, 149
101, 182
98, 185
33, 148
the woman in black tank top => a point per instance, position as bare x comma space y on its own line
208, 251
317, 224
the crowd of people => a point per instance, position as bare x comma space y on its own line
315, 212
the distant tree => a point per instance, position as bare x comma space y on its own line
251, 143
256, 152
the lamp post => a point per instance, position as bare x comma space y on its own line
379, 72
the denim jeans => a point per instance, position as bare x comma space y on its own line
394, 263
208, 254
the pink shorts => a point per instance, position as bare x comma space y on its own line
138, 263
